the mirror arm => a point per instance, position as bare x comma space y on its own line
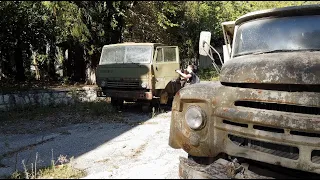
213, 61
204, 42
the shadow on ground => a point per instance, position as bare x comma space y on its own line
71, 140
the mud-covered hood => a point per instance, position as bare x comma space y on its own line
274, 68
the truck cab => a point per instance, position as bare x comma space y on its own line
266, 105
143, 72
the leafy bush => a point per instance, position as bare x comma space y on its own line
208, 74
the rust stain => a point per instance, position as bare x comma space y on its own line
214, 101
250, 80
178, 93
181, 174
174, 109
266, 100
186, 147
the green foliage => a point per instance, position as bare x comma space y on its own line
208, 74
47, 29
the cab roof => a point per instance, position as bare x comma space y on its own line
133, 44
281, 12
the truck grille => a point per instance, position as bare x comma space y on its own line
285, 151
273, 129
123, 84
279, 107
315, 156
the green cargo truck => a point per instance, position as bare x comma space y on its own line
138, 72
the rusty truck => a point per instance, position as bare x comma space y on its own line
266, 105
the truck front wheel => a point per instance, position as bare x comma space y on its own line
201, 160
117, 102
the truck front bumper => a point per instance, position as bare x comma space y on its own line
134, 95
219, 169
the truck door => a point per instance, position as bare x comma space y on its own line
228, 31
165, 62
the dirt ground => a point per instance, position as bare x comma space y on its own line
134, 145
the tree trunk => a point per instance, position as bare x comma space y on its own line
1, 65
90, 75
35, 64
9, 63
58, 64
66, 63
20, 76
51, 51
80, 65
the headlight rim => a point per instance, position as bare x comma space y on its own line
144, 84
103, 83
203, 115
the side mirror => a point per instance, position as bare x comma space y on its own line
205, 37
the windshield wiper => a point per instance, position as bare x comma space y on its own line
275, 51
272, 51
131, 62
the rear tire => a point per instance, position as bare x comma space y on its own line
145, 108
118, 103
113, 102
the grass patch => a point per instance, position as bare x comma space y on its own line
65, 171
62, 171
208, 74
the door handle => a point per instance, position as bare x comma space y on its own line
156, 68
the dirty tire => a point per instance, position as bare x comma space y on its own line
117, 103
155, 103
113, 102
145, 108
201, 160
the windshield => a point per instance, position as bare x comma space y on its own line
126, 54
278, 34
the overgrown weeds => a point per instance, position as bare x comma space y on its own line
60, 169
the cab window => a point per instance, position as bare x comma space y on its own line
166, 54
159, 55
169, 54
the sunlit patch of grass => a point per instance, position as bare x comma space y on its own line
62, 171
65, 171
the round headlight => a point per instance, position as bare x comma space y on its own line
144, 85
103, 83
195, 117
